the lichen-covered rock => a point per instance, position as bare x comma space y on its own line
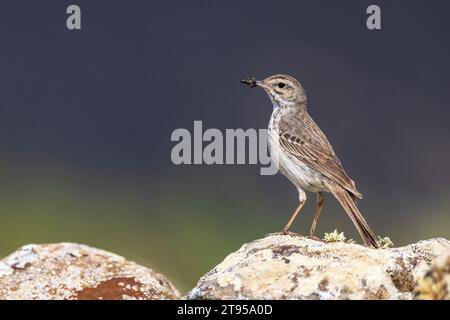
78, 272
435, 284
295, 267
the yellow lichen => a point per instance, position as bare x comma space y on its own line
384, 242
334, 236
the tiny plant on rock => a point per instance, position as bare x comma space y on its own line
335, 236
384, 242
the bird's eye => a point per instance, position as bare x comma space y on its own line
281, 85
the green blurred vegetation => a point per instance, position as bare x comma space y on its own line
180, 227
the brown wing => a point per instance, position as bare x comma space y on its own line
319, 157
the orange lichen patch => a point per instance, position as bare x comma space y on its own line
113, 289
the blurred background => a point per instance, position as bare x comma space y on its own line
86, 118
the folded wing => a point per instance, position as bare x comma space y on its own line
320, 159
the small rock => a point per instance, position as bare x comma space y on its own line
77, 272
295, 267
435, 284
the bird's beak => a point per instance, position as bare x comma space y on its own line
262, 84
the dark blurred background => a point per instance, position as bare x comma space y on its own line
86, 118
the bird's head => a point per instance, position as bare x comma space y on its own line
283, 90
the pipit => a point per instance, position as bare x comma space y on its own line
302, 153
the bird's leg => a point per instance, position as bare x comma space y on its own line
320, 202
288, 225
302, 199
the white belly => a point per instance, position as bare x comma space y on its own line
299, 173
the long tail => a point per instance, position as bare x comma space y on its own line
347, 201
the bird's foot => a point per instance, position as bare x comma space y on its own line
284, 233
313, 237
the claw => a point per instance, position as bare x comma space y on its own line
313, 237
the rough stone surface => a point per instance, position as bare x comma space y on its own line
76, 272
435, 284
294, 267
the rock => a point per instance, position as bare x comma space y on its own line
295, 267
77, 272
435, 284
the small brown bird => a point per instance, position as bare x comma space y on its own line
302, 153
